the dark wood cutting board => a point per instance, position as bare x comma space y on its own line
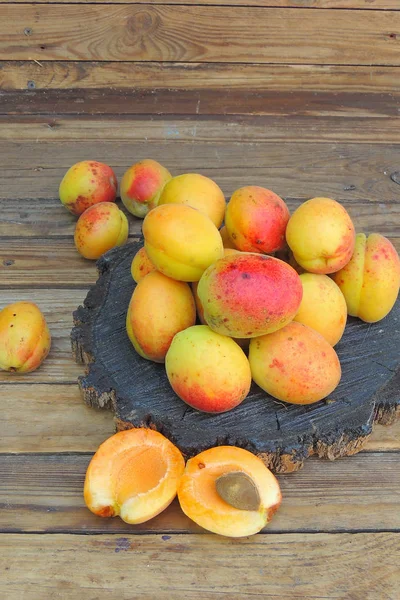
283, 435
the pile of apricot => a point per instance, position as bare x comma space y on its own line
216, 306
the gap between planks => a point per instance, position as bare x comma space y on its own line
322, 4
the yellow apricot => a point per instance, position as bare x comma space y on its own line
24, 337
370, 281
181, 241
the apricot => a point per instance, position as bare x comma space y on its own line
24, 337
370, 281
208, 371
141, 265
256, 220
321, 235
226, 240
87, 183
100, 228
134, 475
197, 191
181, 241
323, 307
141, 186
229, 491
159, 308
295, 364
246, 295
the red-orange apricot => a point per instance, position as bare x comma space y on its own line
134, 474
229, 491
100, 228
87, 183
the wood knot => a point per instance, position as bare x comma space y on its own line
395, 177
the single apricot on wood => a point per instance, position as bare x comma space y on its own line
141, 265
134, 474
295, 364
24, 337
87, 183
217, 479
370, 281
321, 235
100, 228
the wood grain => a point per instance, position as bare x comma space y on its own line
200, 78
215, 101
61, 422
51, 263
314, 566
348, 171
174, 130
199, 33
358, 493
48, 218
348, 4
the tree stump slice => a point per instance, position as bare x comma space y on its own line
282, 435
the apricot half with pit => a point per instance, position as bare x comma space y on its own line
134, 474
24, 337
229, 491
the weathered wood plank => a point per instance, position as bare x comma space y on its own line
314, 566
215, 101
199, 33
176, 129
51, 263
346, 83
200, 77
43, 493
348, 171
61, 422
48, 218
50, 418
348, 4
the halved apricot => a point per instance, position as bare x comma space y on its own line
229, 491
134, 474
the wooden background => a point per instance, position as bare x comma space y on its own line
300, 96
